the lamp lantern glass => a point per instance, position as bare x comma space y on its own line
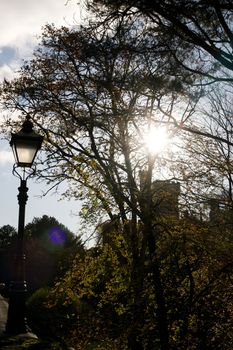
25, 144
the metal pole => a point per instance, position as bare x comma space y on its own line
16, 320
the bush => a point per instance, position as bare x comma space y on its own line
48, 320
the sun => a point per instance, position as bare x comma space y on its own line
157, 139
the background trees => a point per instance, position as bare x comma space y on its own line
7, 242
7, 234
205, 165
50, 250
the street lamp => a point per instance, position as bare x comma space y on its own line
25, 145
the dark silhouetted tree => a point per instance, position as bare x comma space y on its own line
7, 245
50, 249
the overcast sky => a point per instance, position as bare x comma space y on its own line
20, 25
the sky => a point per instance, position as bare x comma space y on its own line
21, 23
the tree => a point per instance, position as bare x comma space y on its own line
197, 278
201, 26
7, 234
196, 35
205, 167
7, 243
99, 286
94, 98
96, 95
50, 249
41, 228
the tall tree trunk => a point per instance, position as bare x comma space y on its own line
159, 294
137, 285
149, 219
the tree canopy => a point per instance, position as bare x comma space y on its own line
96, 99
97, 92
204, 27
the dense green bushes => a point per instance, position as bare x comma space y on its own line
94, 306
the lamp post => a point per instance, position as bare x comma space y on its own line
25, 145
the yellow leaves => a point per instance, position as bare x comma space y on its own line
100, 277
175, 329
120, 309
93, 163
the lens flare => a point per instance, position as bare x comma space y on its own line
57, 236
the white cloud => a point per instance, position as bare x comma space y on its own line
6, 157
21, 24
25, 18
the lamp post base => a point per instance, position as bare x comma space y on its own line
16, 320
